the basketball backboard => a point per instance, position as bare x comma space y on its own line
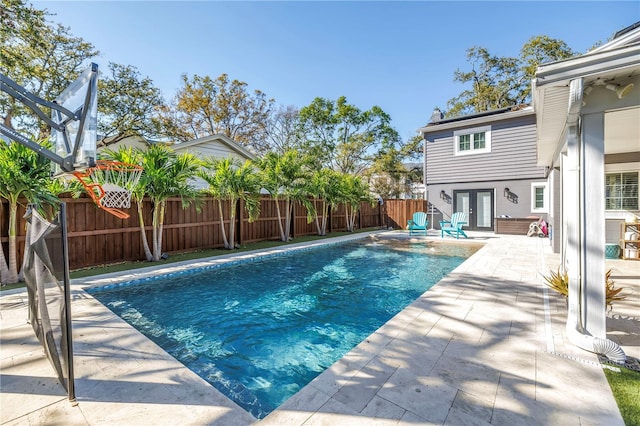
77, 136
73, 121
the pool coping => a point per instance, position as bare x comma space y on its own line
188, 266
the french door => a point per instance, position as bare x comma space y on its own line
478, 205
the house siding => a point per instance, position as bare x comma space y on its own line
516, 207
212, 149
513, 155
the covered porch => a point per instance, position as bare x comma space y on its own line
588, 124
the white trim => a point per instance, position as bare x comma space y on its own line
621, 167
545, 200
469, 131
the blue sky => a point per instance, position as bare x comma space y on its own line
400, 56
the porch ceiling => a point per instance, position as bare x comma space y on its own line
622, 131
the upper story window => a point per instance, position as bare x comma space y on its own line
621, 191
472, 141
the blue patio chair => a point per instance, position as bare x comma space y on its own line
418, 223
458, 219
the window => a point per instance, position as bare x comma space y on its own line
539, 197
621, 191
472, 141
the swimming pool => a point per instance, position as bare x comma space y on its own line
260, 331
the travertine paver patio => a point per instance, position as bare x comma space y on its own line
486, 345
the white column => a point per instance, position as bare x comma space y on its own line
571, 218
593, 224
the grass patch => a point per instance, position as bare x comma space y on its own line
194, 255
625, 386
11, 286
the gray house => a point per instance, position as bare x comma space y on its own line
485, 165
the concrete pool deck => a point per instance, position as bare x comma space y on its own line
486, 345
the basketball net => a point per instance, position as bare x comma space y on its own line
110, 184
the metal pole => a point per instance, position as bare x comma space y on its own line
67, 302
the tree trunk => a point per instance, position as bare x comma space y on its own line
354, 213
282, 236
12, 277
350, 217
318, 226
145, 242
222, 228
4, 269
232, 224
287, 219
325, 213
154, 236
163, 205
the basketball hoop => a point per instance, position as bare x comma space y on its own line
110, 184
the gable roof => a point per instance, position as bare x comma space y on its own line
220, 138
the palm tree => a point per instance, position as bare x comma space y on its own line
353, 192
166, 175
324, 187
132, 155
230, 181
23, 173
285, 177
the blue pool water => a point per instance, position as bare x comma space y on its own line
260, 331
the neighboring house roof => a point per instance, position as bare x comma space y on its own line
476, 119
616, 62
202, 143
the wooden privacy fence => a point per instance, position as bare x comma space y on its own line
96, 237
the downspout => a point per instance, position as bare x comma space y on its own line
577, 296
424, 169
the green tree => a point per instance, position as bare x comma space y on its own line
129, 105
21, 29
354, 190
40, 56
343, 137
131, 155
230, 181
23, 173
388, 174
284, 176
324, 187
498, 82
166, 174
538, 50
204, 106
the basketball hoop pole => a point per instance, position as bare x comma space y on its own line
67, 164
34, 102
